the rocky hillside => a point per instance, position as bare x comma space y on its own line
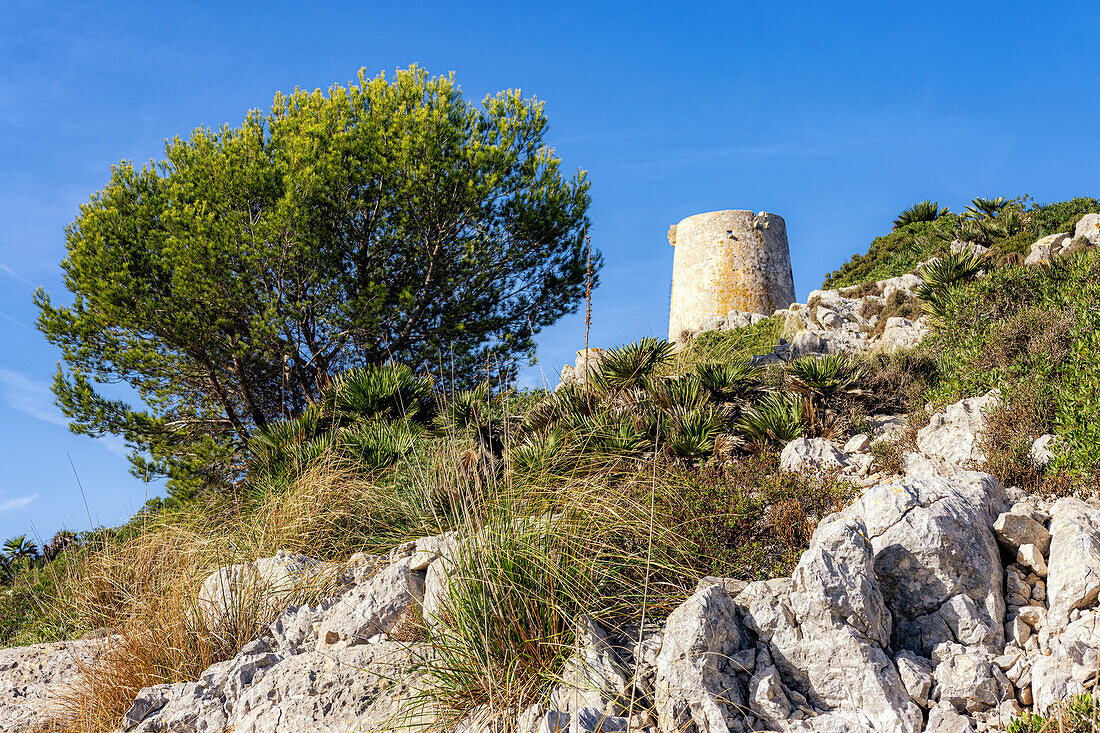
875, 511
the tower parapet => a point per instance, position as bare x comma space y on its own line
728, 261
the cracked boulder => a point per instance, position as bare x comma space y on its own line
696, 687
373, 607
953, 435
937, 559
828, 631
1073, 571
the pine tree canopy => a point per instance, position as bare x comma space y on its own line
230, 282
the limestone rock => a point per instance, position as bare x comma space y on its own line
917, 675
768, 698
1074, 655
30, 677
811, 455
945, 719
1089, 228
1073, 575
587, 366
272, 581
905, 284
696, 689
1042, 450
1015, 529
1031, 557
966, 681
953, 434
592, 678
827, 632
901, 333
373, 607
363, 687
828, 319
857, 444
369, 687
959, 245
1047, 248
808, 343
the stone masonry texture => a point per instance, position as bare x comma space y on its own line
728, 261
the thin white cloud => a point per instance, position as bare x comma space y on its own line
29, 396
18, 323
114, 444
15, 274
7, 505
33, 397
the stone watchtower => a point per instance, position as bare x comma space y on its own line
728, 261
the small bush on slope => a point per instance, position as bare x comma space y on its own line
1080, 714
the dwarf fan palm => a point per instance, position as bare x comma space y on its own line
677, 394
692, 433
823, 378
19, 547
980, 207
776, 418
731, 381
387, 390
922, 211
942, 274
630, 366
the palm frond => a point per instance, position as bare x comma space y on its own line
922, 211
825, 376
677, 394
693, 432
980, 207
730, 381
775, 419
944, 273
538, 452
377, 444
631, 365
389, 390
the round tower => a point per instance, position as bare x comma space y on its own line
728, 261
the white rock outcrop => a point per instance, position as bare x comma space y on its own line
953, 435
32, 676
811, 455
1088, 228
272, 581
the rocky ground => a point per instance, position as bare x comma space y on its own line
938, 601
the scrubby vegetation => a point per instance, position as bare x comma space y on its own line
1079, 715
1008, 228
605, 496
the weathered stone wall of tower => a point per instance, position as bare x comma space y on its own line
728, 261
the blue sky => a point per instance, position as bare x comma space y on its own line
834, 115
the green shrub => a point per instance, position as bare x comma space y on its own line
896, 253
1009, 233
1080, 714
746, 519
